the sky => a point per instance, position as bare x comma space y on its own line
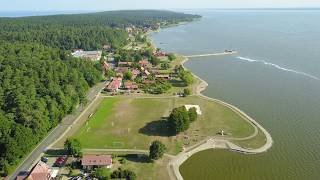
92, 5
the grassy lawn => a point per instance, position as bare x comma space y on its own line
132, 123
144, 169
255, 142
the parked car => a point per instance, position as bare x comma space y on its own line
44, 159
60, 161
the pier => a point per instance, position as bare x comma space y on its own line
213, 54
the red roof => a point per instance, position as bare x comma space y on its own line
135, 72
96, 160
121, 70
159, 53
114, 84
40, 172
144, 62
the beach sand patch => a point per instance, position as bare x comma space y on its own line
188, 106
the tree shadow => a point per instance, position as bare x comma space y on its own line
55, 152
138, 158
177, 83
157, 128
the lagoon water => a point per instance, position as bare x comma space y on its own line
274, 79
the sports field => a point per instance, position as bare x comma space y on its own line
132, 123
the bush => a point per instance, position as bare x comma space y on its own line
120, 173
159, 87
186, 92
171, 57
157, 150
186, 77
192, 114
101, 173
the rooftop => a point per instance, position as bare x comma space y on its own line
96, 160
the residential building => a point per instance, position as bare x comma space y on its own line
159, 54
145, 64
40, 172
90, 162
106, 47
135, 73
90, 55
124, 64
162, 76
129, 85
114, 85
120, 71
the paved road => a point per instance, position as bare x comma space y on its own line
66, 123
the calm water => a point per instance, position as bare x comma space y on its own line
274, 78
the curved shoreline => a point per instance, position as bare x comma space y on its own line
213, 142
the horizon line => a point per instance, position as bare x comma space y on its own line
219, 8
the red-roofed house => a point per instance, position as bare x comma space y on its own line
95, 161
145, 63
114, 85
159, 53
121, 70
129, 85
135, 73
40, 172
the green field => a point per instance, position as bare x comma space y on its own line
132, 123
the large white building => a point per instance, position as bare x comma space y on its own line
90, 55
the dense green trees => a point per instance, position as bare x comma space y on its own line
180, 119
39, 86
156, 150
73, 147
64, 37
86, 31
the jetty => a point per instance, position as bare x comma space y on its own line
213, 54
